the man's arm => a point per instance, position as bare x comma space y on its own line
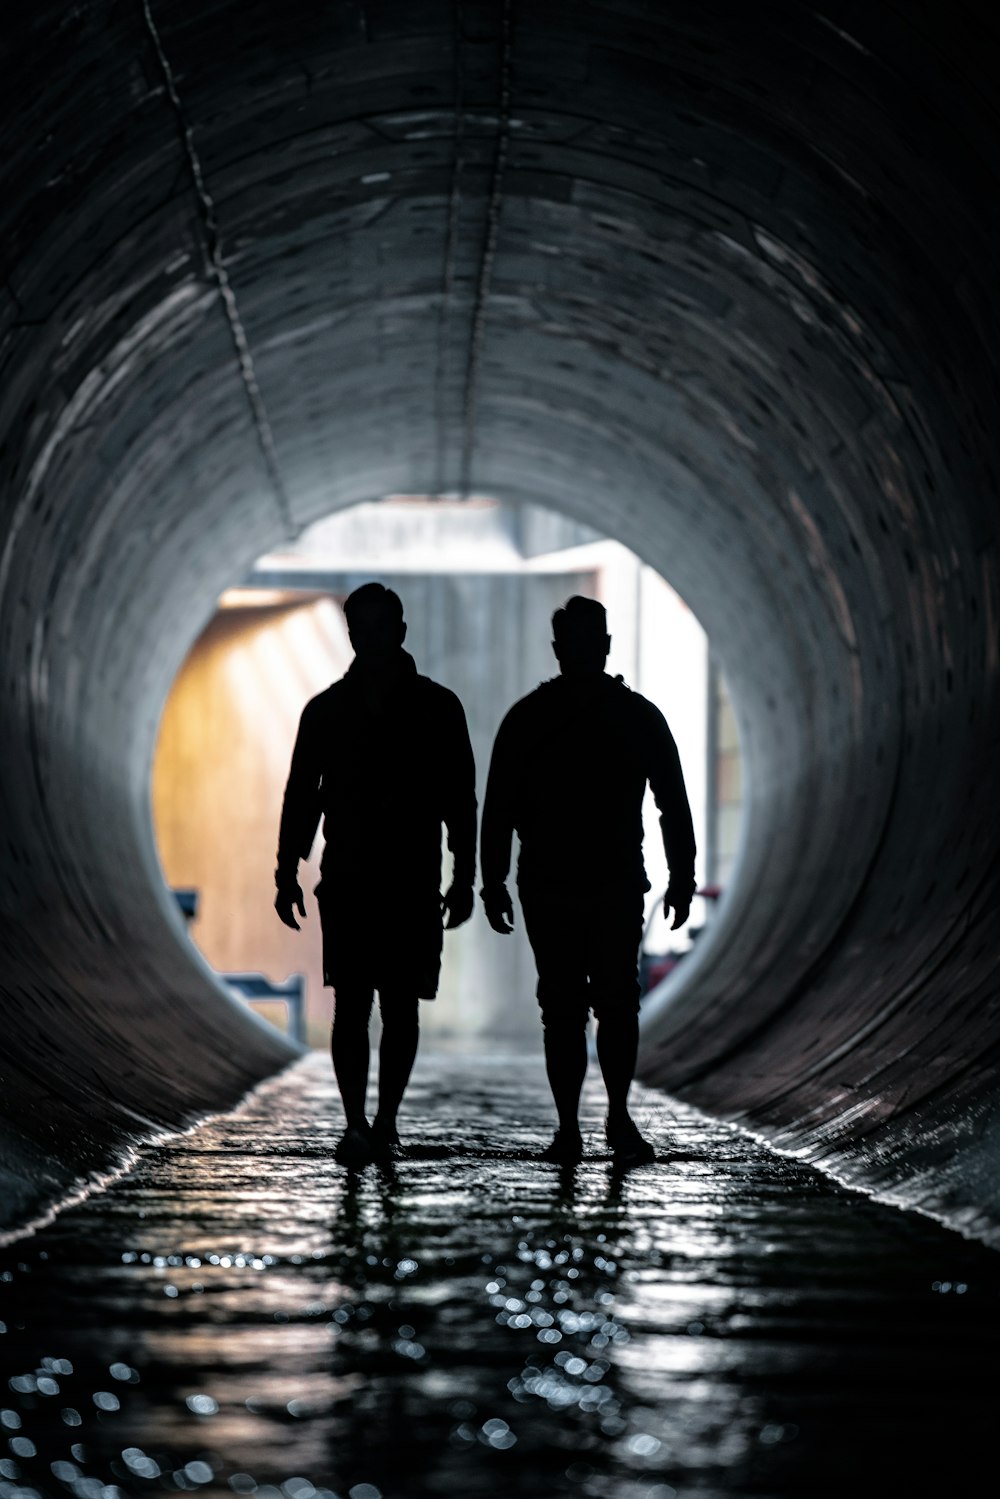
460, 817
300, 813
497, 834
666, 780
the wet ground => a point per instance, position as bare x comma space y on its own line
240, 1315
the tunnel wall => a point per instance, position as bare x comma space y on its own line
717, 283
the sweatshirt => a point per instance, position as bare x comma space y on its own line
568, 773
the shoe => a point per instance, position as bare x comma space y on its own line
355, 1147
566, 1148
384, 1139
628, 1146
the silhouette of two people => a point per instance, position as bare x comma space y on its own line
384, 757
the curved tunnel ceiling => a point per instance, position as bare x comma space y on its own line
722, 285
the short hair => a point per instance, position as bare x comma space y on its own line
580, 619
373, 596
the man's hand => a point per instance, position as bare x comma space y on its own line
456, 904
288, 900
498, 907
681, 907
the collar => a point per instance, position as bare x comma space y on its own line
398, 667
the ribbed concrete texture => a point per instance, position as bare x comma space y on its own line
240, 1315
716, 279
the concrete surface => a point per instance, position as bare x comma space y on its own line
239, 1315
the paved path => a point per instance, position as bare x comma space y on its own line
241, 1315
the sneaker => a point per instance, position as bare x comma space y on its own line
354, 1148
628, 1146
566, 1148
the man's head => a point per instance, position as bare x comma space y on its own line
580, 636
375, 622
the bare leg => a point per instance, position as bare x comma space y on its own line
566, 1062
617, 1048
351, 1055
397, 1052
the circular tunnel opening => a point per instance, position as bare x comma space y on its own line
716, 289
479, 582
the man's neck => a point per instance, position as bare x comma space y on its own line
584, 675
380, 679
380, 666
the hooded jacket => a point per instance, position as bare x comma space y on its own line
384, 762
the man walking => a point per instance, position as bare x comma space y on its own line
384, 757
568, 773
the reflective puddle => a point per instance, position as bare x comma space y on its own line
240, 1315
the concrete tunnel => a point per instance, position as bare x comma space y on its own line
718, 280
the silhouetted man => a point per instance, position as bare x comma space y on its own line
568, 774
384, 757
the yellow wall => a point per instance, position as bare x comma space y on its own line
221, 760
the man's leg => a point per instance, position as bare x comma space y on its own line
345, 953
614, 961
397, 1051
617, 1049
350, 1051
617, 1046
562, 997
565, 1032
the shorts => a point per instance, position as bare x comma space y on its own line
375, 943
587, 955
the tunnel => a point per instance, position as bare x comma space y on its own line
716, 280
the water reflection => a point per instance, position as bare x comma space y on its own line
242, 1317
485, 1361
418, 1351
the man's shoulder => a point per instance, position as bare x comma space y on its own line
556, 697
436, 696
655, 717
325, 702
650, 729
534, 705
630, 703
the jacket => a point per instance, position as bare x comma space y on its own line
384, 772
568, 773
